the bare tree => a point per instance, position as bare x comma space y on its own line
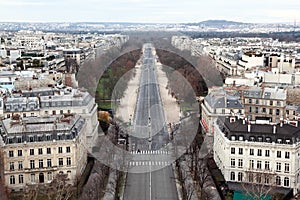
60, 188
258, 184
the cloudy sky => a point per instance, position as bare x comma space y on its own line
174, 11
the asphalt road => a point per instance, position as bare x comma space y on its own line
149, 133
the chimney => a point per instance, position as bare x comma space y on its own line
274, 129
249, 127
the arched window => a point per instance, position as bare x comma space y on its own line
240, 176
21, 179
278, 180
12, 180
286, 182
232, 176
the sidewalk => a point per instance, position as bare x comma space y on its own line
110, 187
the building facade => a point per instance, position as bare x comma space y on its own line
258, 153
36, 149
46, 102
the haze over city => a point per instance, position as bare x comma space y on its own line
146, 11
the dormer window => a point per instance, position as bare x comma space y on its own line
260, 139
233, 137
268, 139
279, 141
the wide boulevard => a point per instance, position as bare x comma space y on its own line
152, 176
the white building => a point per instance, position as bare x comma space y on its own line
35, 149
50, 102
258, 152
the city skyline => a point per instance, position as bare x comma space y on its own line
146, 11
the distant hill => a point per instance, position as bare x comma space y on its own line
217, 23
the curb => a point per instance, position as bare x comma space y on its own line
178, 186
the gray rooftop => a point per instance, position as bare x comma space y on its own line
263, 132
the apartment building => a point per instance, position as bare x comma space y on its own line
250, 60
35, 149
76, 54
47, 102
257, 152
217, 103
266, 103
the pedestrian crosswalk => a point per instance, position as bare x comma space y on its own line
148, 163
156, 152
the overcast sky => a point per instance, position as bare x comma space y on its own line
174, 11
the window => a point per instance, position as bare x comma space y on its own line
250, 109
278, 103
60, 162
278, 154
241, 151
278, 180
232, 162
11, 166
31, 152
258, 164
256, 101
32, 164
41, 163
251, 164
286, 167
264, 110
232, 176
232, 150
40, 150
48, 137
258, 178
59, 149
240, 176
12, 180
250, 177
278, 167
271, 103
68, 161
49, 176
267, 179
21, 179
251, 152
32, 178
287, 154
48, 150
286, 182
20, 153
68, 149
53, 112
256, 109
277, 111
271, 111
259, 152
11, 154
240, 163
20, 165
61, 112
49, 163
267, 165
250, 100
267, 153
